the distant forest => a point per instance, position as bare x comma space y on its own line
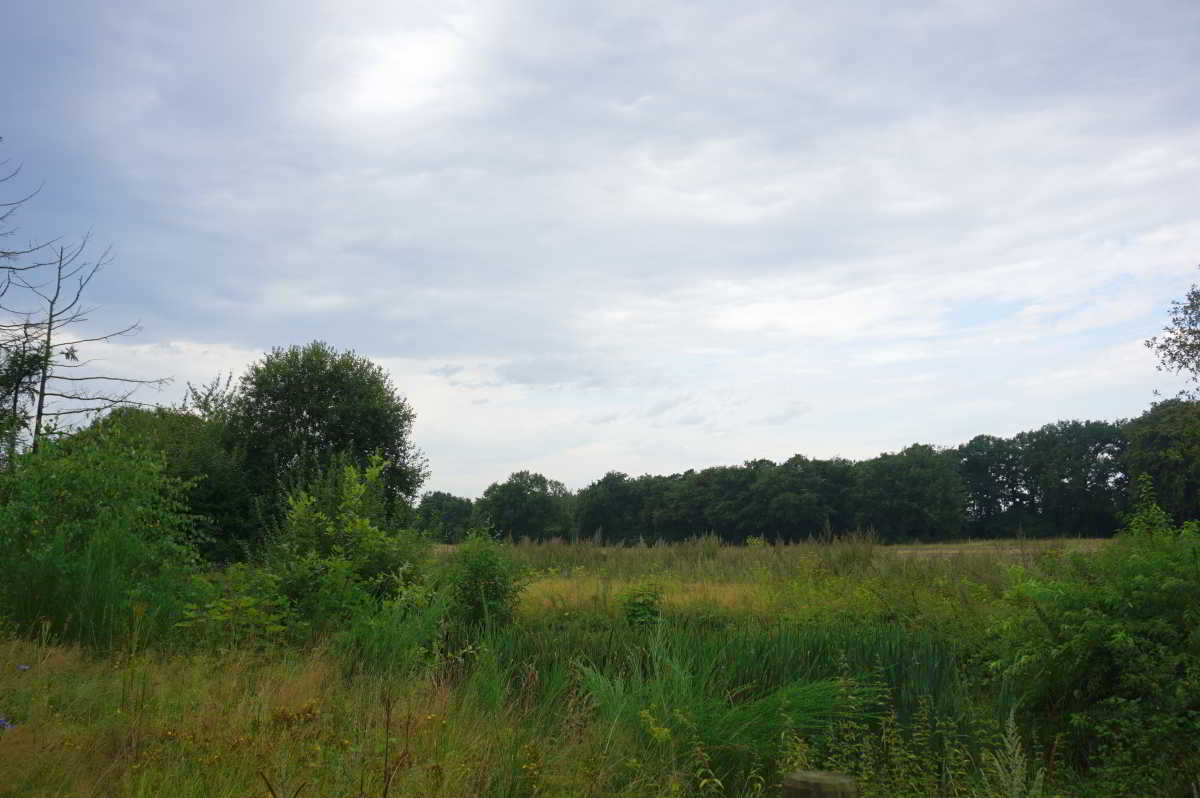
1070, 478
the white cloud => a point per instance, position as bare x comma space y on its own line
618, 236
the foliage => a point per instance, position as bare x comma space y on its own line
609, 508
1164, 444
399, 637
444, 517
915, 494
299, 407
1178, 347
1106, 648
482, 582
642, 603
1071, 480
1066, 478
330, 554
852, 554
92, 529
240, 606
993, 476
865, 671
1006, 770
526, 505
195, 452
924, 755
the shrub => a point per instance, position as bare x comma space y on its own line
331, 557
397, 637
239, 606
642, 604
1107, 649
482, 582
196, 452
91, 529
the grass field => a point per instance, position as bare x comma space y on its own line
691, 669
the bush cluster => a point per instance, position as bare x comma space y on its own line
94, 538
1107, 649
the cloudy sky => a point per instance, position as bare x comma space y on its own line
641, 236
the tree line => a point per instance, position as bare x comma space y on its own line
1067, 478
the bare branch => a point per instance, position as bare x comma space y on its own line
108, 405
44, 285
159, 381
131, 328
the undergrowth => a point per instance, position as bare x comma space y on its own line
351, 662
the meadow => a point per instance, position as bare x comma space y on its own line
654, 670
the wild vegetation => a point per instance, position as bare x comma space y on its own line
554, 668
241, 596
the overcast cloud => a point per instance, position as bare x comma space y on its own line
645, 237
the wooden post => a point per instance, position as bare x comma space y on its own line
818, 784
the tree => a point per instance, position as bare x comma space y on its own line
42, 378
57, 394
19, 359
193, 447
299, 406
802, 498
990, 470
526, 505
11, 260
444, 516
915, 494
1164, 443
1178, 348
610, 508
1072, 477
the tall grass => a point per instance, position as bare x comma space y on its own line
756, 659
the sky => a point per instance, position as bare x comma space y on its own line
632, 236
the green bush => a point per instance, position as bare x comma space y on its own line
1107, 648
397, 637
331, 557
196, 451
482, 582
94, 539
239, 606
642, 604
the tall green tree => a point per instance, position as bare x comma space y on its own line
444, 516
299, 406
1164, 443
1072, 477
195, 453
915, 494
803, 498
672, 508
991, 472
611, 509
526, 505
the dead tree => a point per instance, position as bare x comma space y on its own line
63, 385
42, 378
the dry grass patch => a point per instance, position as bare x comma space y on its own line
601, 594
